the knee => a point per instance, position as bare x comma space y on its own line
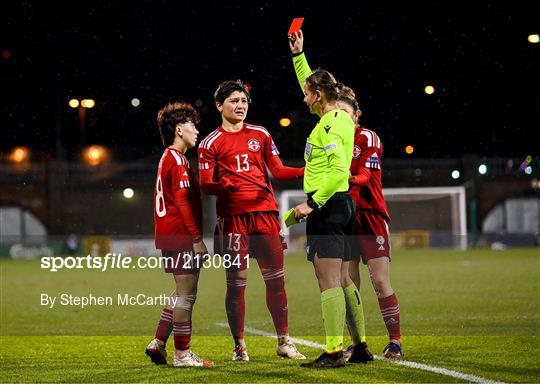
236, 286
381, 284
274, 278
346, 280
185, 302
328, 282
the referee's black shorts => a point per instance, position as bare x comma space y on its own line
329, 228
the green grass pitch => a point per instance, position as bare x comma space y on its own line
475, 312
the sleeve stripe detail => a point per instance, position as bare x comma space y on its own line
211, 140
180, 159
209, 137
329, 147
184, 184
372, 138
258, 128
369, 137
204, 166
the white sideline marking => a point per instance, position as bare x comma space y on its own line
409, 364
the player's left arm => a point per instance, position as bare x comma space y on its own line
182, 200
276, 167
370, 159
361, 177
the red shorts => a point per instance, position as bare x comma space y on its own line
371, 237
180, 262
257, 235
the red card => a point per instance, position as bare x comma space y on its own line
296, 25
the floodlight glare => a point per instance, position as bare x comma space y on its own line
284, 122
128, 193
88, 103
429, 90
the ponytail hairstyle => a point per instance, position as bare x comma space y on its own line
326, 82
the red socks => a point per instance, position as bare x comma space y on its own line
165, 325
276, 300
390, 312
182, 335
235, 305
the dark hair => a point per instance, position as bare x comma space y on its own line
228, 87
347, 95
323, 80
171, 115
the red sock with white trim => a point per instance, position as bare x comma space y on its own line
390, 312
182, 335
165, 325
235, 304
276, 300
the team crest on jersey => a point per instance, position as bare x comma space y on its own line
356, 152
254, 145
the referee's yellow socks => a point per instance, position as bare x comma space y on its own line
355, 314
333, 312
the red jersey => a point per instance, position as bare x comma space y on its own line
367, 152
242, 157
177, 203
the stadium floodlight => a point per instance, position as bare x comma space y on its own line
429, 90
128, 193
135, 102
19, 154
95, 155
534, 38
440, 213
88, 103
455, 174
73, 103
482, 169
284, 122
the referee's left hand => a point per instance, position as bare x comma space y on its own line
302, 211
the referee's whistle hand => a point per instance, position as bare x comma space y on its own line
302, 211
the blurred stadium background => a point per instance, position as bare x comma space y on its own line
449, 92
56, 207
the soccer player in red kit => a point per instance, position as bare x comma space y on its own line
178, 231
232, 165
371, 227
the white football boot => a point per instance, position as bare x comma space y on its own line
190, 359
156, 351
288, 350
240, 353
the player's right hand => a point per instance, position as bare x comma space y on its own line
229, 185
296, 42
199, 248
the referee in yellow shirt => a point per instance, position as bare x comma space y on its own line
329, 209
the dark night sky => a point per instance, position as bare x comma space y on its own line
476, 54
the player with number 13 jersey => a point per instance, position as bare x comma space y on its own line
232, 165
